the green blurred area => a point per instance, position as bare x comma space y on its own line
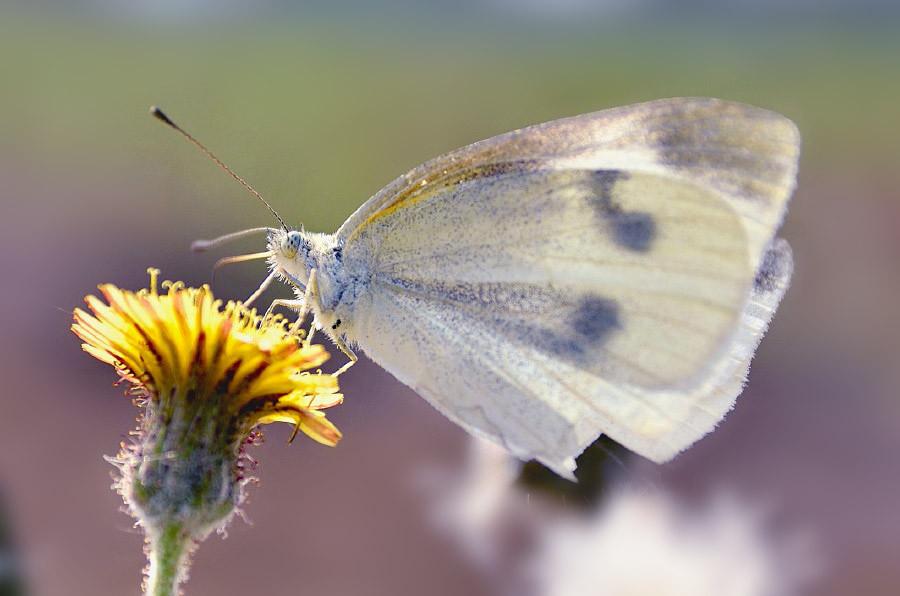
320, 114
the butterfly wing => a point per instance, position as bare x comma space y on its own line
598, 274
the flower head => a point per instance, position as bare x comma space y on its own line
206, 375
182, 348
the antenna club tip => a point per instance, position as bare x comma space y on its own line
199, 246
160, 115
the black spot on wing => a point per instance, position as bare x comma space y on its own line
774, 269
632, 230
589, 326
595, 318
536, 316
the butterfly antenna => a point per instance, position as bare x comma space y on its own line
204, 245
162, 117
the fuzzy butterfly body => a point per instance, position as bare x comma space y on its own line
610, 273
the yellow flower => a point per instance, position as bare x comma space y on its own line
183, 346
206, 375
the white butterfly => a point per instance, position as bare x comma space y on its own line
610, 273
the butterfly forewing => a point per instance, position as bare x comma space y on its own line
631, 277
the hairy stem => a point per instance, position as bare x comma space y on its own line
168, 560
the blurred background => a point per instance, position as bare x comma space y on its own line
319, 106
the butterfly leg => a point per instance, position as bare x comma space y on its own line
262, 288
311, 293
301, 306
343, 347
295, 305
291, 304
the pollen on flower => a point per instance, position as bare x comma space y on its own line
208, 374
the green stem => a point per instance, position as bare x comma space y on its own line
168, 560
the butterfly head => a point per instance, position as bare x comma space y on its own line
290, 252
288, 245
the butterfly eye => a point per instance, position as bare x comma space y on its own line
291, 244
